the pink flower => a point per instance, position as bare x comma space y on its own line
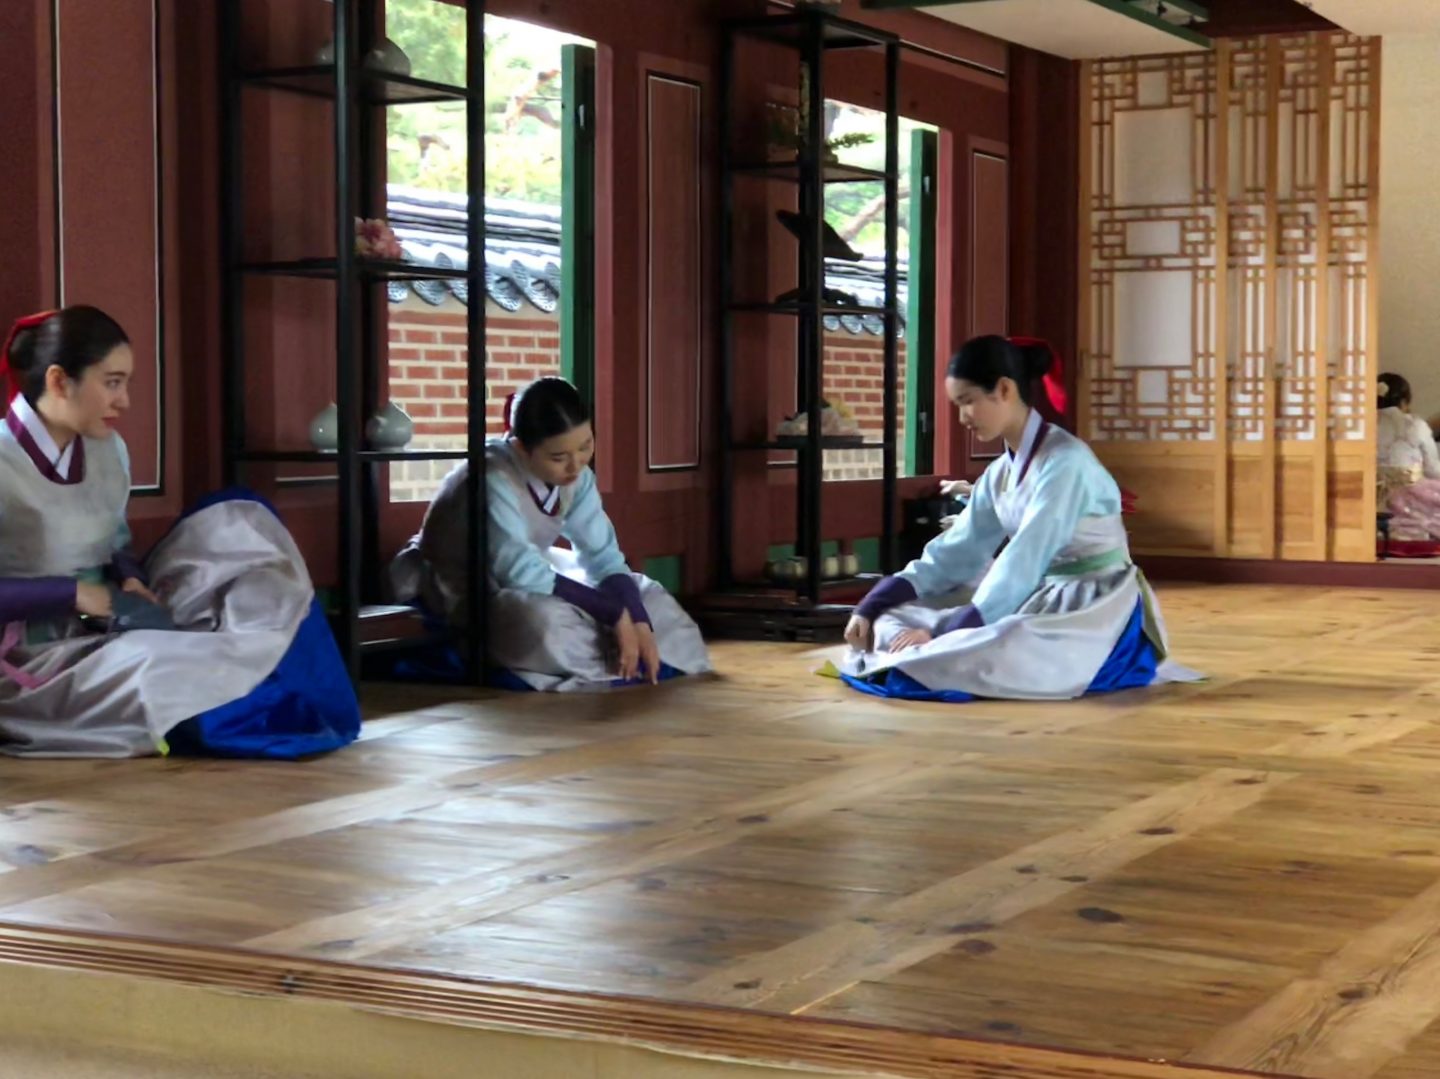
376, 239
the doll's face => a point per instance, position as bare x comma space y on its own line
560, 459
90, 404
990, 414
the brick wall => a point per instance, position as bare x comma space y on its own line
427, 380
427, 377
854, 373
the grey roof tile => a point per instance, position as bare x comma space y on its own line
522, 256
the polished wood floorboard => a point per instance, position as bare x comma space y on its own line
1243, 873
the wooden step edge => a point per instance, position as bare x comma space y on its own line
667, 1026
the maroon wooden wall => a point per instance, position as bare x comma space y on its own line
27, 212
135, 211
90, 178
1045, 204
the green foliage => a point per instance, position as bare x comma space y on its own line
433, 36
857, 211
784, 134
426, 143
850, 141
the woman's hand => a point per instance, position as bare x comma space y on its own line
860, 633
649, 653
627, 638
93, 599
135, 586
910, 638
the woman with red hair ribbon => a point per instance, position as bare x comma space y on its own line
1061, 610
92, 661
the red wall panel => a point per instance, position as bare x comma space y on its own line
675, 277
989, 261
27, 215
1045, 203
109, 141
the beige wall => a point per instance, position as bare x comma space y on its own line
1410, 214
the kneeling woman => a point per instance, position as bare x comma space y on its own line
91, 661
1060, 611
1409, 467
559, 619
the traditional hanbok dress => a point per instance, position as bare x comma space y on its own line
1409, 475
1061, 611
550, 608
251, 668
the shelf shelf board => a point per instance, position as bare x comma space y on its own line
393, 628
789, 172
381, 612
376, 87
428, 638
803, 307
802, 443
795, 29
830, 584
414, 455
366, 269
332, 456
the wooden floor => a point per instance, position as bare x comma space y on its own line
1243, 873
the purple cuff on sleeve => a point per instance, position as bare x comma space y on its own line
890, 592
604, 609
124, 565
25, 599
622, 588
966, 617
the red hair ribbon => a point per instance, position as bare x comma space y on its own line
509, 416
9, 384
1054, 379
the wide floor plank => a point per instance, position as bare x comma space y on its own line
1241, 873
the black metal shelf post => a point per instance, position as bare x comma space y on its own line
232, 231
813, 34
347, 392
358, 96
890, 455
477, 559
725, 273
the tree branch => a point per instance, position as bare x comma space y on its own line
868, 213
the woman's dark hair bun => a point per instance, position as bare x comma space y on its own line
984, 361
1394, 390
547, 407
73, 338
22, 351
1037, 359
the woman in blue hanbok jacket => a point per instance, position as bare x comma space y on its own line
560, 619
1060, 610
